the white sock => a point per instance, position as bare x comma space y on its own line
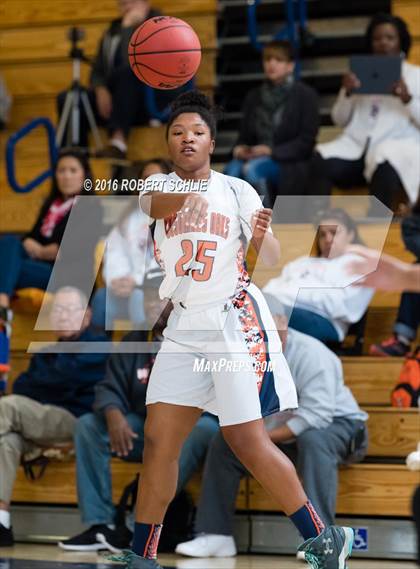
118, 144
5, 518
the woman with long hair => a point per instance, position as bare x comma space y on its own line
312, 290
28, 262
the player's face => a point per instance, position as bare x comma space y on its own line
333, 238
385, 40
70, 176
277, 67
190, 142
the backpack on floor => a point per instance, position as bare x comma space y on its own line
178, 522
407, 392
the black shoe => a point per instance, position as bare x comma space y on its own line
115, 540
6, 536
85, 541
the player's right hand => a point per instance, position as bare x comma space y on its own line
120, 433
195, 206
351, 82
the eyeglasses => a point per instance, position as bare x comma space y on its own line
61, 309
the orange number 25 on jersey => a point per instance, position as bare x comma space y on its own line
203, 247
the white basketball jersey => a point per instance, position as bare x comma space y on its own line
205, 263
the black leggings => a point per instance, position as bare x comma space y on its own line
385, 184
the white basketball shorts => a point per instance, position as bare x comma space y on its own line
225, 358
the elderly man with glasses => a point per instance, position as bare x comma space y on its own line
48, 397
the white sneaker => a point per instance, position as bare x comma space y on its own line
208, 545
300, 556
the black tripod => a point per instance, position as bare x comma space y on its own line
76, 101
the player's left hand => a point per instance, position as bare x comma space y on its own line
261, 221
260, 150
400, 89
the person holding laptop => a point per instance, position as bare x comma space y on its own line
380, 143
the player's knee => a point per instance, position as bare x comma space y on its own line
158, 447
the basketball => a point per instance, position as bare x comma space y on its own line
164, 52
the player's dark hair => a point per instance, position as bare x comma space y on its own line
279, 46
343, 218
399, 25
194, 102
84, 163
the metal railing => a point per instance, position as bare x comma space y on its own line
296, 12
11, 160
151, 104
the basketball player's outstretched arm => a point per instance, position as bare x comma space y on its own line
159, 205
382, 271
265, 243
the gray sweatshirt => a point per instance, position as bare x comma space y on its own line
322, 395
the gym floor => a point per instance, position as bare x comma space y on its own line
29, 556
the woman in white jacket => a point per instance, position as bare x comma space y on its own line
380, 144
314, 292
128, 257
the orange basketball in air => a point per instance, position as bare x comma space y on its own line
164, 52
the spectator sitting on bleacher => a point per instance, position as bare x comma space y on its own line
117, 428
408, 319
47, 398
128, 255
278, 129
328, 429
313, 291
28, 262
119, 95
380, 144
